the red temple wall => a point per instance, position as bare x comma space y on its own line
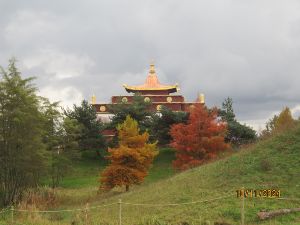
153, 98
173, 106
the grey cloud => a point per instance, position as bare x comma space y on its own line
248, 50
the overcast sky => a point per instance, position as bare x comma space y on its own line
248, 50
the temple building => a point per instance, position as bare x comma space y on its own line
152, 91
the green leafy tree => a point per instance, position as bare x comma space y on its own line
91, 139
269, 130
64, 155
237, 133
22, 151
62, 141
53, 138
162, 122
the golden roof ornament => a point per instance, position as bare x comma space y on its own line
201, 98
93, 100
151, 83
152, 68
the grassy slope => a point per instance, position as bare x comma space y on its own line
244, 169
86, 173
280, 169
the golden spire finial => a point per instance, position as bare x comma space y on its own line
201, 98
93, 99
152, 67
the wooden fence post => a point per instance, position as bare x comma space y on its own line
86, 213
12, 214
243, 207
120, 211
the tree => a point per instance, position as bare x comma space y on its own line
284, 121
270, 126
237, 133
199, 140
72, 131
22, 151
227, 112
68, 150
53, 139
91, 139
131, 160
138, 110
162, 122
61, 138
279, 123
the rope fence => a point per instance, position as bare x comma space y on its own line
121, 204
5, 209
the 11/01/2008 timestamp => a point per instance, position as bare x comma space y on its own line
256, 193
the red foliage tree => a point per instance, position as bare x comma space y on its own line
199, 140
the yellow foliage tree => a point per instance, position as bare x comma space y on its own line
284, 121
131, 160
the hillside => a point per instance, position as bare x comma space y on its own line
274, 163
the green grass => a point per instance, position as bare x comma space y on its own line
86, 173
162, 167
274, 163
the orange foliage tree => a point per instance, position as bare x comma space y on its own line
198, 140
131, 160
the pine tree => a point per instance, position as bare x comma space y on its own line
138, 110
91, 141
162, 122
131, 160
199, 140
237, 133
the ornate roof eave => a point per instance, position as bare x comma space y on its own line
173, 88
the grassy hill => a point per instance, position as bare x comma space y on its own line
274, 163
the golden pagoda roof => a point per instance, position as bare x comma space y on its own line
152, 83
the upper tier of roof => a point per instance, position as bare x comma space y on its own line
151, 84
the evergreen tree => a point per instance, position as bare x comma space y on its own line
237, 133
138, 110
22, 152
91, 139
162, 122
227, 113
131, 160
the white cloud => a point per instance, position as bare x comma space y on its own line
58, 64
257, 125
67, 96
30, 27
296, 111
